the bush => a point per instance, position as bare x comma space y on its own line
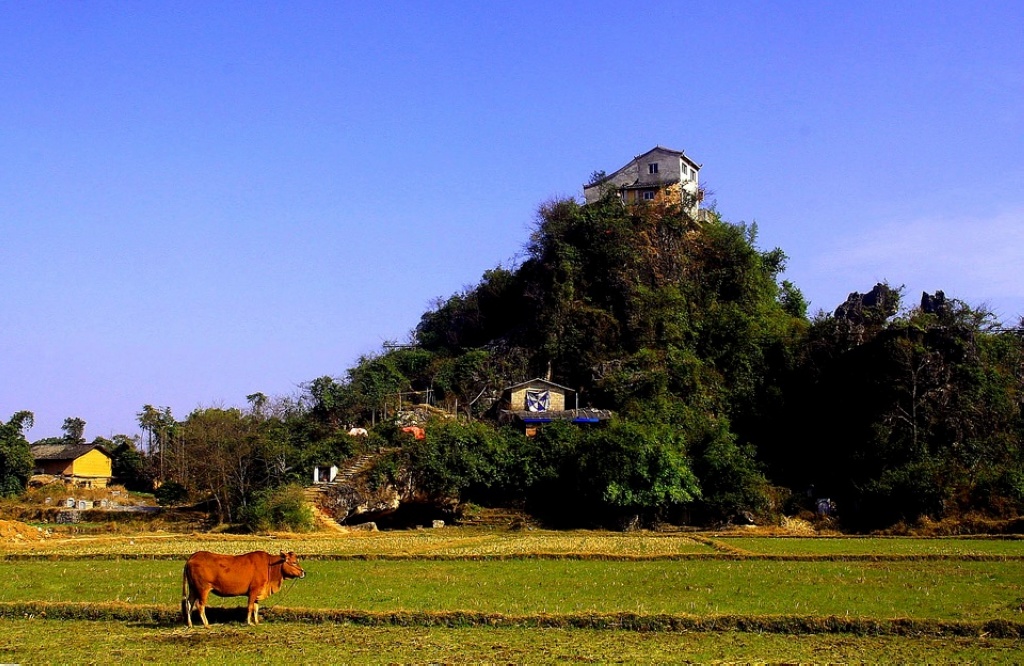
171, 493
730, 479
453, 457
628, 469
282, 509
903, 494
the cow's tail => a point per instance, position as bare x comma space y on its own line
186, 607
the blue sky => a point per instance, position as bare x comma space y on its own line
199, 201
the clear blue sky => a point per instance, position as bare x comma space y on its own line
202, 200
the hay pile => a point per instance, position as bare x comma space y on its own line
13, 530
798, 526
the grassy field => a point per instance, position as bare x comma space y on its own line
936, 590
32, 642
472, 595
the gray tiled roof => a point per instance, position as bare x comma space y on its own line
63, 451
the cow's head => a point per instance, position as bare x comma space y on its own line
290, 566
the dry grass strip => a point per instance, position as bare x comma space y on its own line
724, 554
724, 548
157, 615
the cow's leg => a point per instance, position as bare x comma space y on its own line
200, 605
256, 612
251, 617
190, 603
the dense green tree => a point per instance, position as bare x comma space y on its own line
376, 382
731, 480
74, 430
451, 459
630, 472
908, 414
16, 461
327, 402
129, 465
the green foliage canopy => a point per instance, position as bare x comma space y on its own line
16, 462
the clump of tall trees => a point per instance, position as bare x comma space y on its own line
15, 455
683, 328
903, 413
242, 463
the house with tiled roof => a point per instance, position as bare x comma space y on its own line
538, 401
659, 174
88, 465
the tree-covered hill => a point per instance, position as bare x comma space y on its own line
682, 327
728, 401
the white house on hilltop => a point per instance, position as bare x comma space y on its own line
660, 173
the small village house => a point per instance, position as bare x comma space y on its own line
88, 465
659, 174
538, 401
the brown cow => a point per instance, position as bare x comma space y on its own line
256, 575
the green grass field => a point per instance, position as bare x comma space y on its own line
34, 642
946, 590
472, 596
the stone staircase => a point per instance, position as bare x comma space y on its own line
323, 520
313, 493
354, 466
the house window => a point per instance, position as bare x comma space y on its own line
652, 167
648, 195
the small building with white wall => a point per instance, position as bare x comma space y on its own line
659, 174
533, 403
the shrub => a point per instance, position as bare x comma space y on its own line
171, 493
628, 469
730, 479
453, 457
281, 508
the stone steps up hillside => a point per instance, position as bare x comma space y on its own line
354, 466
312, 494
351, 468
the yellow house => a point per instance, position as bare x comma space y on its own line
87, 465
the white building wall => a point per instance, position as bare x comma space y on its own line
672, 168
